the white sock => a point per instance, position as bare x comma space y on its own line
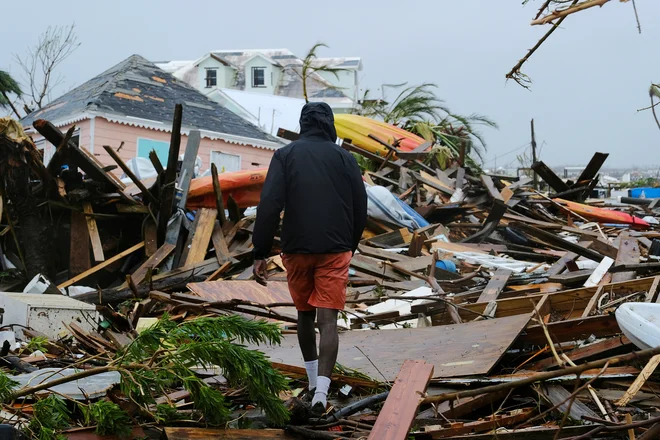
322, 387
312, 368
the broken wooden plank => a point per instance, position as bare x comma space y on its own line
201, 235
398, 413
79, 257
550, 177
152, 262
400, 237
199, 433
558, 242
494, 217
628, 254
555, 394
98, 267
599, 272
490, 186
606, 347
143, 189
495, 285
169, 176
220, 244
219, 203
592, 168
639, 382
382, 254
490, 423
93, 230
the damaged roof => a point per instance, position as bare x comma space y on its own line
136, 88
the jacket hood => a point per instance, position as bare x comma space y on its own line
317, 120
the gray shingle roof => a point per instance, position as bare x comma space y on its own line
135, 87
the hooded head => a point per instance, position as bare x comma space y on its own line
317, 120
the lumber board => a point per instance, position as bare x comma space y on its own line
79, 256
592, 168
98, 267
382, 254
549, 177
490, 186
495, 215
201, 235
93, 231
152, 262
628, 254
226, 434
579, 276
555, 394
226, 290
534, 433
495, 285
558, 242
375, 267
602, 326
490, 423
603, 348
470, 348
398, 413
219, 243
459, 408
399, 238
639, 382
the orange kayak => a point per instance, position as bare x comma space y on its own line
602, 215
243, 186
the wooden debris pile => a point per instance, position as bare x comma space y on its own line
495, 318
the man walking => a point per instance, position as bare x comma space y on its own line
320, 188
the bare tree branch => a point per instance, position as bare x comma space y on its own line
39, 65
561, 13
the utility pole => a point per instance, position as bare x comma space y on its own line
534, 159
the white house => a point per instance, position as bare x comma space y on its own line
270, 72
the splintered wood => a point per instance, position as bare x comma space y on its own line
398, 414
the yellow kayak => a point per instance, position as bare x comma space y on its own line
358, 128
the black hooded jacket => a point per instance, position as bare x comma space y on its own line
320, 188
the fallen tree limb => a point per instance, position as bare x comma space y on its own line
562, 13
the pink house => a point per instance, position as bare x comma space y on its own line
132, 104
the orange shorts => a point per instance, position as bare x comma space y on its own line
317, 280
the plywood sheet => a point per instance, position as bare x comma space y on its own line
221, 291
454, 350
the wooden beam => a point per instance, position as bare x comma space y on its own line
495, 286
628, 254
639, 382
220, 244
79, 258
490, 186
152, 262
200, 236
550, 177
169, 177
398, 413
93, 230
143, 189
219, 203
98, 267
558, 242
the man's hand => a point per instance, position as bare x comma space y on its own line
260, 272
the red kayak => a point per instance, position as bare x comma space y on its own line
243, 186
603, 215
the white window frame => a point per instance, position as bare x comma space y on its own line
206, 77
254, 69
240, 159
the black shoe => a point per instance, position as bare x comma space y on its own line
318, 410
308, 395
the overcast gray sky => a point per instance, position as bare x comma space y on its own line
590, 77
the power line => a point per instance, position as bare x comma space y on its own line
525, 145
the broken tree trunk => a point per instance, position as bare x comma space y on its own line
32, 230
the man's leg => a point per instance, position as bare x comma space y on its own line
307, 342
300, 276
329, 346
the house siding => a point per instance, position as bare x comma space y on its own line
113, 134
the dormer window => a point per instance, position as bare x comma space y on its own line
211, 78
258, 77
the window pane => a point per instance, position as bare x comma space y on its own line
211, 77
162, 149
258, 76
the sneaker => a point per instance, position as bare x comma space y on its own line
318, 410
308, 395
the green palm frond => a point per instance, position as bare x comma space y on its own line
8, 85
